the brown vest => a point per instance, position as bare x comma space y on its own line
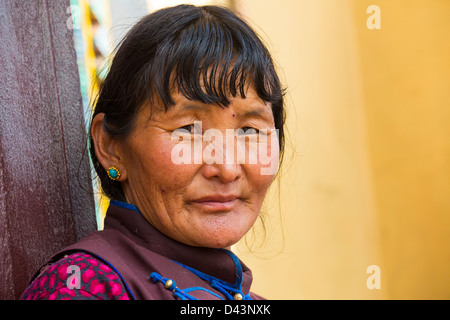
146, 260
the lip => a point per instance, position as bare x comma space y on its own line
217, 202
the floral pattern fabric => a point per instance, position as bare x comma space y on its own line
78, 276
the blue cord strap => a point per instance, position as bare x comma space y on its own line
177, 292
183, 294
227, 289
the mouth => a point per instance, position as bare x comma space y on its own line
217, 202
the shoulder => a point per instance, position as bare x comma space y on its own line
77, 276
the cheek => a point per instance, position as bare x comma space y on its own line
258, 182
261, 175
161, 169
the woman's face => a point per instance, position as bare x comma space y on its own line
185, 171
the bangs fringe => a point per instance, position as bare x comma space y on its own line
211, 62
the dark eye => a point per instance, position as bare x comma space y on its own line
194, 128
189, 128
248, 130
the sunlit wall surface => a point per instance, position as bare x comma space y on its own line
365, 189
361, 206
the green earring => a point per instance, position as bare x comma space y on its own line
113, 173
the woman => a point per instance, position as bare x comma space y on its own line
191, 99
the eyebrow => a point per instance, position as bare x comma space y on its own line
259, 112
195, 107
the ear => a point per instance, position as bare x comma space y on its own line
106, 147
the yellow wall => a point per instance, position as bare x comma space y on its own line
366, 178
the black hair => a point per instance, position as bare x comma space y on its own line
208, 53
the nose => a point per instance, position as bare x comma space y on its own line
223, 165
225, 172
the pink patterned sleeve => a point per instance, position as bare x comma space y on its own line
78, 276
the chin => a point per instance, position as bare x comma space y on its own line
220, 231
219, 245
221, 240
